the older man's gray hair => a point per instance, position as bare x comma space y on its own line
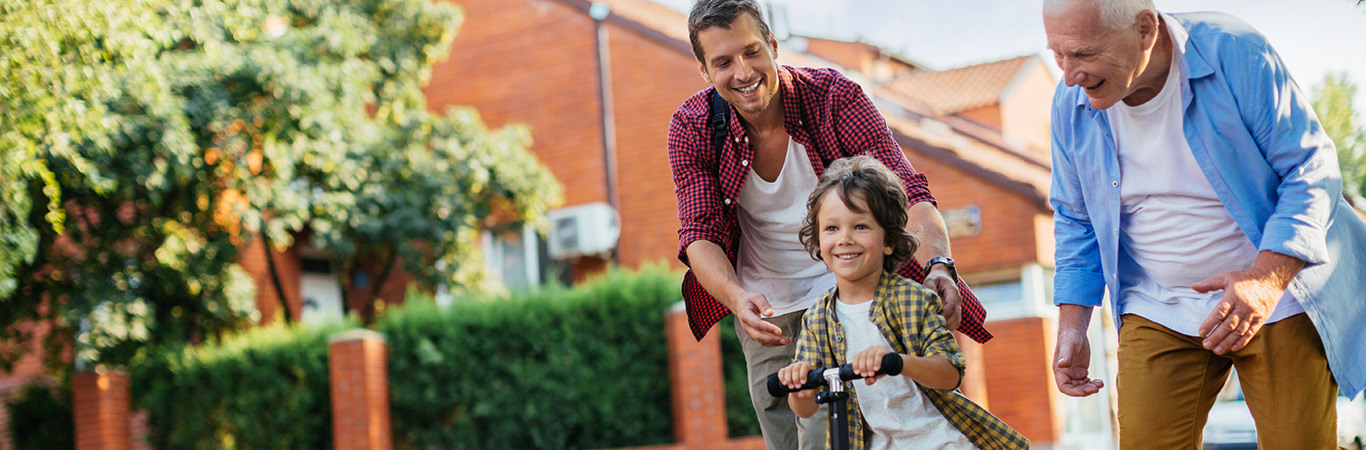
1114, 14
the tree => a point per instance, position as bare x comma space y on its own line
1332, 101
154, 138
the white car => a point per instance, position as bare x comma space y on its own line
1230, 424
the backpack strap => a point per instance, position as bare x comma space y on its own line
719, 120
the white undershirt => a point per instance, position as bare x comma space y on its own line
771, 259
1174, 231
899, 414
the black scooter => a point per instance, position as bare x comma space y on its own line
835, 396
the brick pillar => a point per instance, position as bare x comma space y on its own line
975, 377
100, 404
357, 368
1020, 378
699, 398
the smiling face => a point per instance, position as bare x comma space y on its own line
1110, 64
739, 62
852, 243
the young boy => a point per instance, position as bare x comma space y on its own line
855, 224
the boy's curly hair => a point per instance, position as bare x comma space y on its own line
864, 178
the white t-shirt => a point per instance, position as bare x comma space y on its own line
771, 259
899, 414
1174, 231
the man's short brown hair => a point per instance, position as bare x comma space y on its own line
883, 194
721, 13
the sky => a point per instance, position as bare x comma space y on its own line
1314, 37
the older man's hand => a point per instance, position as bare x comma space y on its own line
1072, 364
1250, 296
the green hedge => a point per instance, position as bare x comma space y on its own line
577, 368
40, 417
266, 388
585, 367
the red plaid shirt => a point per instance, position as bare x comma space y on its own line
825, 112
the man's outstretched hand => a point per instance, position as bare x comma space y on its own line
748, 309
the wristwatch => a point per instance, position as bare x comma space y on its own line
947, 262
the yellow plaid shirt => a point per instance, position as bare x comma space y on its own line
907, 314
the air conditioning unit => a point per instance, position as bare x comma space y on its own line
584, 230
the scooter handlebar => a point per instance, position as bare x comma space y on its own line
891, 365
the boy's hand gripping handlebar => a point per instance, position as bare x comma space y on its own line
891, 365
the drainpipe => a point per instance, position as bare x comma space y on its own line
599, 12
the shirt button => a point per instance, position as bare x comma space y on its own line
1114, 183
737, 139
727, 201
744, 162
1116, 231
799, 122
839, 338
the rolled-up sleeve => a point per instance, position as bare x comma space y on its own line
861, 127
697, 187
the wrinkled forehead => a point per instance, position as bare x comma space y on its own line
1076, 29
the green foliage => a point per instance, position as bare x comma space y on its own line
1333, 100
578, 368
40, 418
147, 141
265, 388
585, 367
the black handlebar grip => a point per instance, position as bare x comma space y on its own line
814, 379
891, 364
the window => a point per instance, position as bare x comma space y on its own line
319, 289
518, 256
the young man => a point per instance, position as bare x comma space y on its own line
740, 205
1192, 179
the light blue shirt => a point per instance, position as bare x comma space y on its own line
1259, 144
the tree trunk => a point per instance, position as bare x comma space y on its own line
376, 291
275, 274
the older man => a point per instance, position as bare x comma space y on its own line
1192, 180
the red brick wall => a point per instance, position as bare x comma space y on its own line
649, 83
1020, 377
1007, 238
253, 261
533, 62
